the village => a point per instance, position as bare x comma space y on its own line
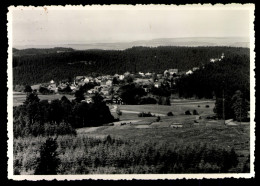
108, 85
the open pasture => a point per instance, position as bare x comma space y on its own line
19, 97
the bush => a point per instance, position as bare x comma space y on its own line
198, 105
144, 114
207, 106
169, 114
147, 100
195, 112
45, 90
158, 119
187, 112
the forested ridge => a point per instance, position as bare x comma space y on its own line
41, 65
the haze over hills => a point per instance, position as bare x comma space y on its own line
190, 42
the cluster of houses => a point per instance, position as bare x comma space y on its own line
213, 60
105, 86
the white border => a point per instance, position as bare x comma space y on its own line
249, 7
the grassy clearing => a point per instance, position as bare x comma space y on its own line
19, 97
176, 109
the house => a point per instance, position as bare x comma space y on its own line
148, 74
213, 60
53, 87
91, 91
117, 100
181, 73
103, 82
166, 73
104, 92
73, 87
86, 80
189, 72
159, 76
89, 100
126, 74
52, 82
108, 100
141, 74
173, 71
109, 83
79, 78
121, 77
157, 84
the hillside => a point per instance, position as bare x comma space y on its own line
41, 65
35, 51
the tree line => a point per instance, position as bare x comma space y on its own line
44, 66
227, 81
40, 117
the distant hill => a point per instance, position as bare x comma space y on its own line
33, 66
191, 42
35, 51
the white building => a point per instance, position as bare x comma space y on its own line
189, 72
148, 74
173, 71
222, 56
121, 77
109, 83
141, 74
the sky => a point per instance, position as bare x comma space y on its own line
50, 27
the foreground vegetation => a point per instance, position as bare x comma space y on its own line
85, 155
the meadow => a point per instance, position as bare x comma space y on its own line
19, 97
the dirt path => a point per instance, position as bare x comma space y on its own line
132, 112
190, 102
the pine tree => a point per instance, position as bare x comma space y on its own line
48, 161
240, 106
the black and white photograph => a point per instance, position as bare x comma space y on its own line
131, 92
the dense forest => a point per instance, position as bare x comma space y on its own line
230, 75
32, 66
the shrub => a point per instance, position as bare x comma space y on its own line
198, 105
44, 90
169, 114
158, 118
207, 106
147, 100
144, 114
195, 112
187, 112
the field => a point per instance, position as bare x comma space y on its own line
19, 97
204, 130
